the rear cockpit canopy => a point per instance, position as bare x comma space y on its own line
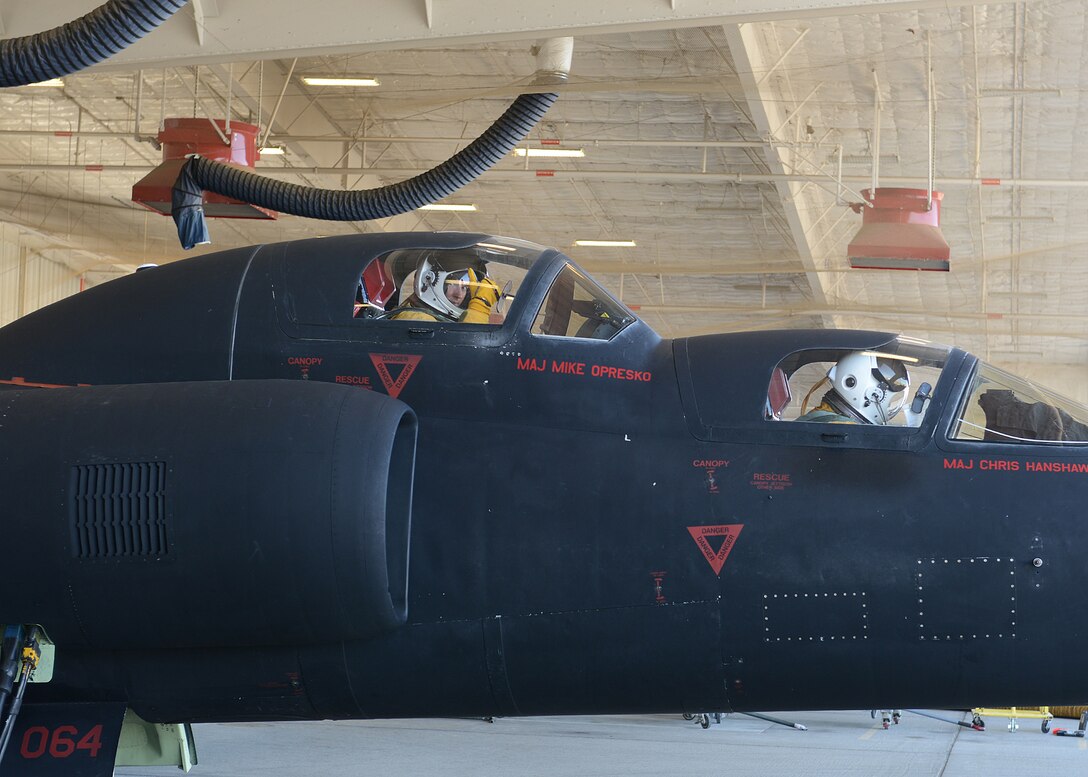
804, 380
992, 406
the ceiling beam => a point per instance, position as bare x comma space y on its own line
202, 10
593, 175
766, 111
266, 29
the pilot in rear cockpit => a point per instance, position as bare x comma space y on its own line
450, 287
866, 388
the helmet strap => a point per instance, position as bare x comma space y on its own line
842, 407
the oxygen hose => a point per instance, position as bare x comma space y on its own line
84, 42
16, 705
9, 663
30, 653
340, 205
199, 174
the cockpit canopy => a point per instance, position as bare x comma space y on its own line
574, 306
387, 283
902, 373
995, 406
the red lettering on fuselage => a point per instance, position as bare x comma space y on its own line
532, 365
1000, 465
709, 463
771, 481
60, 742
958, 464
354, 380
620, 373
716, 559
569, 368
564, 367
407, 362
1057, 466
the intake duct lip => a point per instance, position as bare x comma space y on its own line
208, 514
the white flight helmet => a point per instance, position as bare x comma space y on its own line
872, 386
432, 280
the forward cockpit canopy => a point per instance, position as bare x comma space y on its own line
405, 278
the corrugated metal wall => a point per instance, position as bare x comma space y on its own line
27, 287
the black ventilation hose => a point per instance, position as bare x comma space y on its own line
82, 43
465, 166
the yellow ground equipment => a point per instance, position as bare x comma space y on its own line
1014, 714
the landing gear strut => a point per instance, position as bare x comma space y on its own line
887, 717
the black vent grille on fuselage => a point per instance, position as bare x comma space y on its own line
119, 510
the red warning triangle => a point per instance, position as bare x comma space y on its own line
404, 361
716, 558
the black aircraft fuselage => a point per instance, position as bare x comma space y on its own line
231, 498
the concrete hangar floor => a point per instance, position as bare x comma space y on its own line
835, 743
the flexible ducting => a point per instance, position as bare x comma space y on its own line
81, 43
337, 205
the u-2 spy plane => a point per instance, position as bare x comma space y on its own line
243, 487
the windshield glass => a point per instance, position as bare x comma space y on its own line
575, 306
1001, 407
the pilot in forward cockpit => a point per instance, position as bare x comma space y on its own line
866, 388
450, 288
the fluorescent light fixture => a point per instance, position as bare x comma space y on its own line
605, 243
1018, 354
448, 206
564, 152
330, 81
1019, 294
497, 247
865, 159
1004, 91
50, 82
271, 150
1010, 219
727, 209
761, 287
896, 356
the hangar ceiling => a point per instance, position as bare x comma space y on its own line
710, 141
